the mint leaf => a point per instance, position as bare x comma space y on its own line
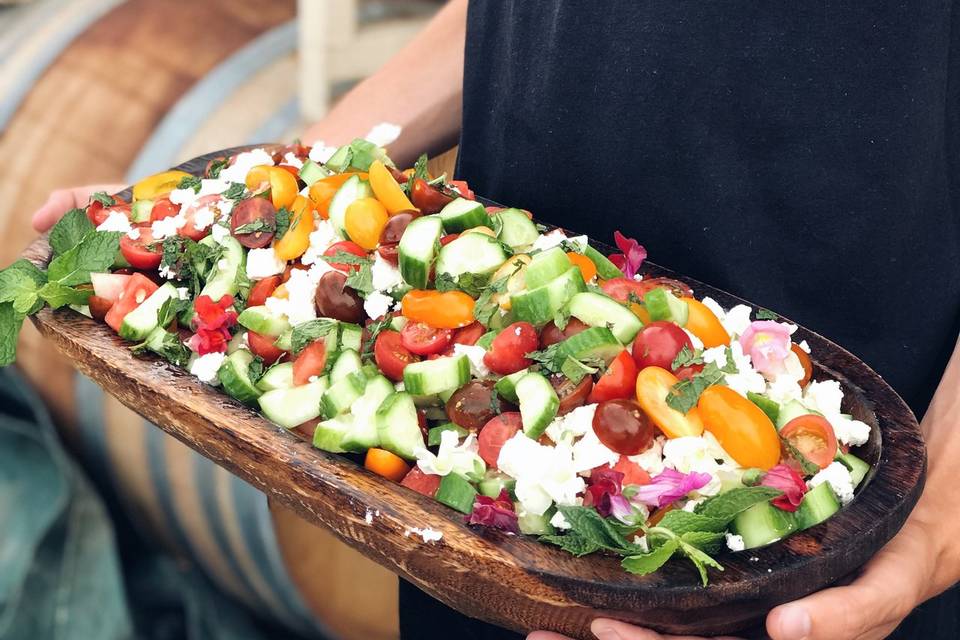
686, 358
216, 166
706, 541
645, 563
308, 332
766, 314
57, 295
573, 543
685, 394
72, 228
166, 345
189, 182
727, 505
344, 257
253, 227
94, 254
10, 322
699, 559
103, 198
20, 284
170, 310
681, 522
373, 330
235, 191
283, 222
255, 369
575, 370
361, 280
588, 524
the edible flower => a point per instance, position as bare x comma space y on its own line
768, 344
789, 481
212, 321
494, 512
669, 486
605, 494
452, 457
632, 257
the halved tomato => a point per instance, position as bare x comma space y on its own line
262, 290
653, 386
137, 289
265, 347
143, 253
494, 435
310, 362
618, 381
391, 356
424, 340
813, 437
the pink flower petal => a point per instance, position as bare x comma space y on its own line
790, 482
494, 512
768, 344
633, 254
669, 486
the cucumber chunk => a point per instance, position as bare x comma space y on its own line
858, 468
294, 406
593, 343
457, 493
140, 211
347, 362
223, 280
533, 524
516, 230
475, 253
351, 336
539, 306
417, 249
435, 434
494, 482
538, 403
352, 190
598, 310
329, 434
138, 324
234, 375
430, 377
817, 505
363, 434
312, 172
605, 269
663, 305
789, 411
398, 426
279, 376
762, 524
506, 387
768, 406
462, 214
545, 266
342, 394
261, 320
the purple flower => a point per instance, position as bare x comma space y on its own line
789, 481
605, 494
669, 486
768, 344
632, 257
495, 512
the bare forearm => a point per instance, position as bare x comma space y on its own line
421, 89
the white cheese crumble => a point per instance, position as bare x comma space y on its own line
735, 542
427, 534
735, 321
589, 452
116, 221
292, 160
702, 454
544, 474
826, 397
746, 378
168, 227
559, 521
838, 477
320, 152
651, 460
203, 218
572, 425
321, 238
263, 263
475, 355
694, 340
385, 276
370, 515
206, 366
219, 232
377, 305
548, 240
804, 346
183, 293
242, 163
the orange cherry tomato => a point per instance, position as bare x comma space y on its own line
741, 427
295, 241
653, 386
705, 325
364, 222
587, 269
805, 362
283, 186
386, 464
388, 190
322, 191
447, 310
813, 437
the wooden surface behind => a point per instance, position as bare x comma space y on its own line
514, 581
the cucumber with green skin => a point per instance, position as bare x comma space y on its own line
352, 190
234, 376
545, 266
430, 377
538, 403
398, 426
457, 493
605, 269
329, 434
461, 214
506, 387
539, 306
294, 406
533, 524
363, 434
223, 278
474, 253
279, 376
139, 323
663, 305
347, 362
312, 172
762, 524
343, 393
593, 343
260, 319
817, 505
417, 250
435, 434
598, 310
515, 229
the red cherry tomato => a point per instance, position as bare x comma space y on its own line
623, 427
423, 483
495, 433
551, 334
190, 229
424, 340
632, 472
143, 253
163, 208
348, 247
262, 290
469, 334
463, 188
618, 381
426, 198
508, 351
99, 307
620, 288
687, 372
310, 362
391, 356
264, 347
137, 289
97, 214
447, 239
571, 395
658, 344
805, 362
813, 437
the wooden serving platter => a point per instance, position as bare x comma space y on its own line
513, 581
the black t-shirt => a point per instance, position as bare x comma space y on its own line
805, 156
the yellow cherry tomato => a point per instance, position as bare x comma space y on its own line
295, 241
653, 386
387, 190
322, 191
283, 186
705, 325
364, 222
515, 270
158, 185
741, 427
587, 269
447, 310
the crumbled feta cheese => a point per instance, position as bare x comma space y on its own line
699, 453
116, 221
691, 505
427, 534
850, 432
263, 263
589, 452
735, 321
134, 233
559, 521
383, 134
320, 152
735, 542
183, 293
838, 477
242, 163
377, 305
166, 227
203, 218
572, 425
747, 378
475, 355
651, 460
544, 474
694, 340
166, 272
219, 232
385, 276
206, 366
641, 541
321, 238
826, 397
299, 306
292, 160
369, 515
548, 240
453, 456
804, 346
783, 389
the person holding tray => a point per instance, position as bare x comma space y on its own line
803, 157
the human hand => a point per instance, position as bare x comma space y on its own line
62, 200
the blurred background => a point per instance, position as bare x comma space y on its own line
167, 545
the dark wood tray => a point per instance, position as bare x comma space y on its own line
512, 581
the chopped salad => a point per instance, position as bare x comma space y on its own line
512, 373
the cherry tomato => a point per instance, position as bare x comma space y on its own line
805, 362
424, 340
98, 215
447, 310
99, 307
741, 427
143, 253
618, 381
391, 356
813, 437
494, 435
658, 343
469, 334
348, 247
423, 483
705, 325
390, 236
137, 289
262, 290
447, 239
264, 346
310, 362
254, 211
163, 208
551, 334
654, 384
462, 188
471, 406
571, 395
387, 190
159, 184
282, 185
622, 427
322, 191
289, 168
334, 299
632, 472
587, 269
207, 204
428, 199
508, 351
621, 288
296, 240
364, 222
687, 372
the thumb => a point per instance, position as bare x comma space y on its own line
62, 200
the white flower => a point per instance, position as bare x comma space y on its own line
461, 459
544, 474
475, 355
377, 305
116, 221
838, 477
242, 163
263, 263
206, 366
572, 425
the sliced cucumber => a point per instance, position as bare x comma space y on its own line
605, 269
429, 377
261, 320
435, 434
223, 279
593, 343
475, 253
663, 305
817, 505
457, 493
858, 468
417, 249
294, 406
533, 524
789, 411
339, 397
279, 376
768, 406
340, 159
538, 403
545, 266
462, 214
398, 426
506, 387
515, 228
284, 341
329, 433
539, 306
234, 375
363, 434
351, 336
494, 482
140, 211
762, 524
138, 324
347, 362
352, 190
598, 310
312, 172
